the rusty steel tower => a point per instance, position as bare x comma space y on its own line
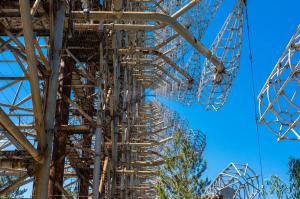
75, 120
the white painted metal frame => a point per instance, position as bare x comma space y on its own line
279, 99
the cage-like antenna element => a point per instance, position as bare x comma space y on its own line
215, 83
279, 99
236, 181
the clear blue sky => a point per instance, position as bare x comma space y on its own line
231, 132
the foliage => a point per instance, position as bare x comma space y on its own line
294, 173
17, 193
275, 186
180, 176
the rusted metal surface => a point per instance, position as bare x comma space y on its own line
88, 66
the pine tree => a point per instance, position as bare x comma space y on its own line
180, 176
294, 173
275, 186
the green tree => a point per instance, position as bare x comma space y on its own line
294, 173
275, 186
180, 176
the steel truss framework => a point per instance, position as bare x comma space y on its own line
74, 116
279, 99
236, 181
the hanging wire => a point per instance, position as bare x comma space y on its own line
254, 98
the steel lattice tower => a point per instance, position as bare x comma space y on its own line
74, 115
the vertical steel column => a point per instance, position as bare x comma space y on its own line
117, 5
97, 162
57, 15
133, 118
116, 105
98, 132
130, 120
60, 137
124, 130
108, 113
